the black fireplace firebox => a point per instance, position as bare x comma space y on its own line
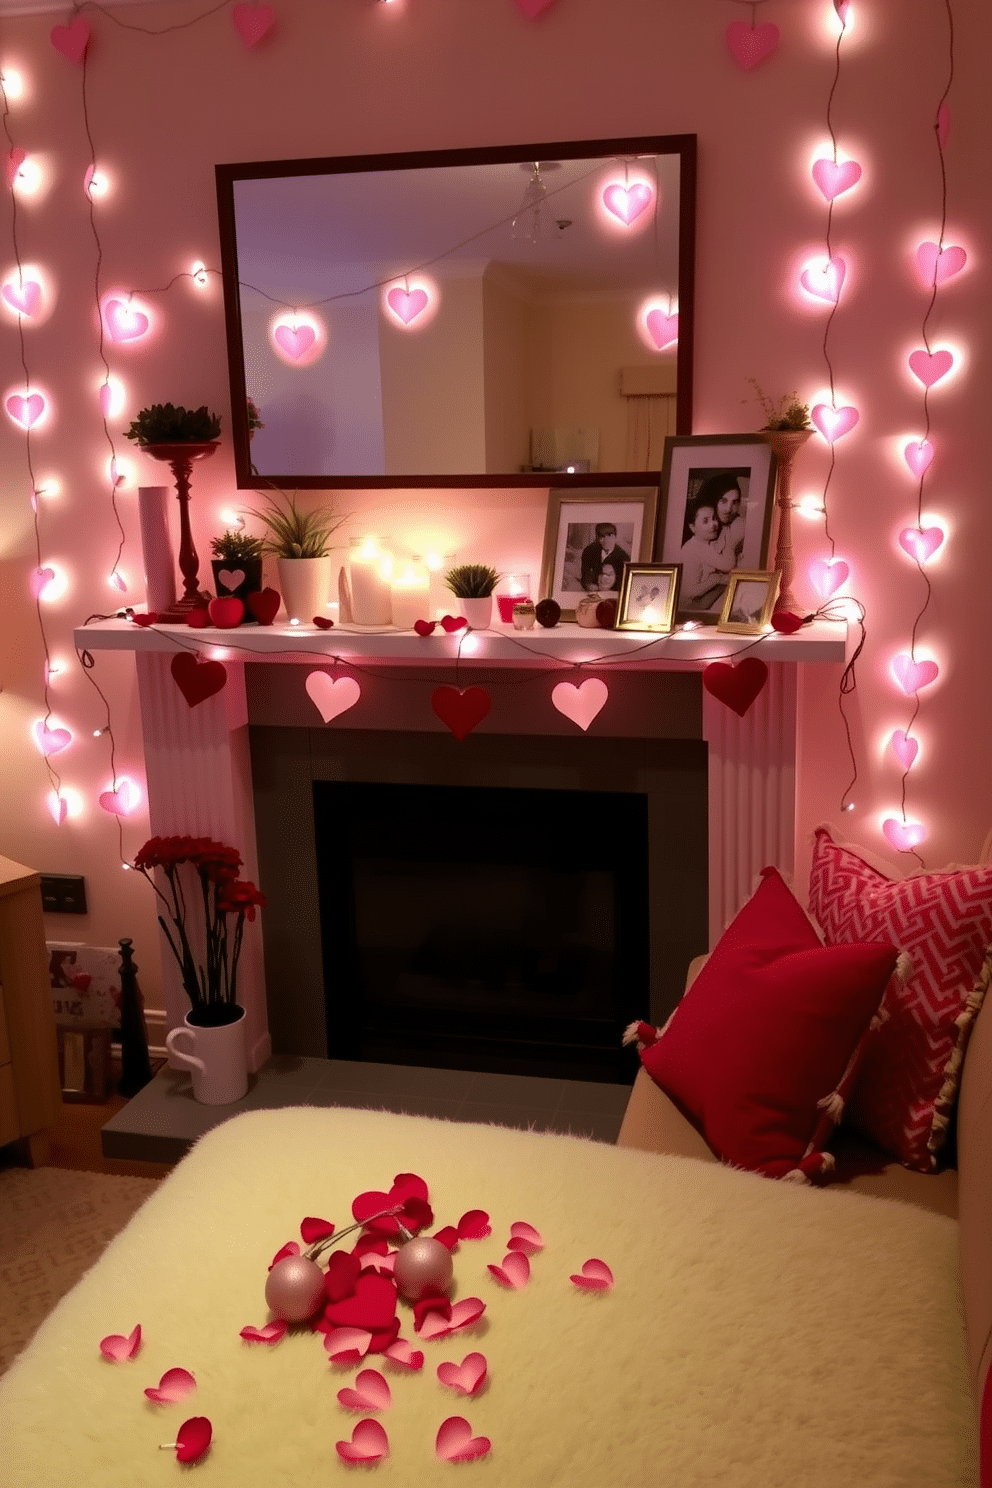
483, 928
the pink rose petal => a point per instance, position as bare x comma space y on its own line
463, 1315
369, 1443
474, 1225
467, 1377
271, 1333
347, 1345
115, 1346
514, 1272
174, 1385
524, 1237
193, 1439
455, 1442
372, 1261
596, 1276
371, 1393
402, 1352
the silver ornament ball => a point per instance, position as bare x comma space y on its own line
423, 1264
295, 1288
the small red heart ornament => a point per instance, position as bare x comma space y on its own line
199, 618
453, 622
736, 686
226, 613
197, 680
460, 710
786, 623
372, 1304
151, 618
323, 622
264, 604
424, 627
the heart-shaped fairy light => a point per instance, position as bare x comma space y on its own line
26, 411
580, 704
929, 366
332, 696
627, 202
370, 1392
663, 329
825, 280
59, 807
468, 1377
295, 1288
174, 1385
71, 41
252, 22
406, 306
40, 580
295, 341
827, 575
913, 675
904, 748
595, 1276
921, 542
834, 423
423, 1265
119, 802
51, 741
936, 264
455, 1442
903, 836
24, 298
369, 1443
918, 455
124, 322
834, 178
749, 45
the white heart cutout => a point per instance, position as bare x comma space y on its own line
230, 578
332, 695
580, 704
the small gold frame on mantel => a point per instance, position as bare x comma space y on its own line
576, 561
749, 601
649, 597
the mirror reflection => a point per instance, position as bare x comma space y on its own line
518, 316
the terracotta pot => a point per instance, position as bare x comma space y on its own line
219, 1061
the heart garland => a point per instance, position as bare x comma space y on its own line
581, 704
253, 22
749, 45
197, 680
460, 709
736, 686
71, 41
332, 696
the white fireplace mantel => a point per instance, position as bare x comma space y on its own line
198, 768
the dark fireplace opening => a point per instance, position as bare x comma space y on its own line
484, 928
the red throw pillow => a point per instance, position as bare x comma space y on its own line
766, 1041
905, 1091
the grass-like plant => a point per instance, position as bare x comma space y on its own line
294, 533
235, 547
472, 580
785, 413
164, 423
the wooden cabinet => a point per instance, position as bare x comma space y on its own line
30, 1095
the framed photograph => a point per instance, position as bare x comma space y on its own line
589, 536
749, 601
649, 597
717, 496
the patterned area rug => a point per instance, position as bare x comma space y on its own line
54, 1225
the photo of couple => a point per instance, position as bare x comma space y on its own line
713, 535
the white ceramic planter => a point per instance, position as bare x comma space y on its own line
305, 586
218, 1063
478, 612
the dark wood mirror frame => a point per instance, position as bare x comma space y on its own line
682, 145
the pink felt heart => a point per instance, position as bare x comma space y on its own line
295, 341
595, 1276
532, 8
918, 456
903, 836
833, 179
15, 159
403, 1353
826, 280
467, 1377
26, 411
904, 748
930, 367
174, 1385
115, 1346
524, 1237
737, 686
71, 41
921, 542
827, 576
252, 22
455, 1442
936, 264
230, 578
749, 45
460, 709
912, 675
663, 329
514, 1271
40, 580
50, 741
271, 1333
371, 1393
24, 298
627, 202
332, 696
123, 323
197, 680
264, 604
833, 423
580, 704
347, 1345
451, 623
424, 627
786, 623
226, 613
406, 306
117, 802
369, 1443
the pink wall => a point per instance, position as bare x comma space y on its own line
357, 76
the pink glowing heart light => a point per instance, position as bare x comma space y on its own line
51, 741
627, 202
825, 280
930, 367
59, 808
936, 265
26, 411
122, 801
663, 329
71, 41
834, 178
913, 675
297, 342
40, 580
827, 576
921, 542
124, 321
903, 836
253, 22
24, 298
407, 306
904, 748
834, 423
918, 455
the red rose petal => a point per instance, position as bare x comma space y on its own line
596, 1276
341, 1276
524, 1237
474, 1225
448, 1236
271, 1333
514, 1272
436, 1302
455, 1442
193, 1439
292, 1247
316, 1229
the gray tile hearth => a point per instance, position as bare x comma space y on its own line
161, 1123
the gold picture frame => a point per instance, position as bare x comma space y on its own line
649, 597
570, 537
749, 601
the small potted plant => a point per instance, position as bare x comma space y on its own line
237, 564
254, 418
473, 585
300, 541
782, 415
165, 424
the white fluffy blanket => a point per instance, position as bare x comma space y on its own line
758, 1333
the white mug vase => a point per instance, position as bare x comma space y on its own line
305, 586
219, 1062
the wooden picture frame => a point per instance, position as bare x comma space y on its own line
732, 476
749, 601
649, 597
575, 559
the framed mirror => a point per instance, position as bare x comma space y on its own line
517, 316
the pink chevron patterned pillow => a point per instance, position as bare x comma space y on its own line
906, 1087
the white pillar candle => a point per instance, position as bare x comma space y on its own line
369, 572
441, 597
410, 595
156, 547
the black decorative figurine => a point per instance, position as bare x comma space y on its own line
136, 1070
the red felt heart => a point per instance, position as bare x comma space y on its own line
226, 613
786, 623
323, 622
150, 619
424, 627
371, 1306
409, 1190
736, 686
461, 710
197, 680
198, 618
264, 604
452, 622
341, 1277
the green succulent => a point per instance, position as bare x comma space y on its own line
294, 533
784, 413
164, 423
234, 546
472, 580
